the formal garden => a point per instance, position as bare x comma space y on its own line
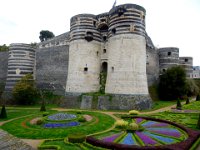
173, 124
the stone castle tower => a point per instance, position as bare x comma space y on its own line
112, 42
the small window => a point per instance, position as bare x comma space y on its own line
94, 23
113, 31
186, 60
169, 53
104, 38
104, 50
112, 69
97, 53
86, 69
164, 70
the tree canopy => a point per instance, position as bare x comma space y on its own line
45, 35
4, 47
173, 84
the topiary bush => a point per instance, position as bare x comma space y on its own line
3, 112
133, 126
178, 105
39, 121
187, 100
82, 119
133, 112
42, 108
76, 138
121, 124
198, 98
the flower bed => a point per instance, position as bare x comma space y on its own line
61, 117
61, 125
157, 134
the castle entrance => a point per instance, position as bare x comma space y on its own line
104, 67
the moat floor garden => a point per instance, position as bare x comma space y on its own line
59, 128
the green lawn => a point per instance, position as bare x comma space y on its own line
16, 127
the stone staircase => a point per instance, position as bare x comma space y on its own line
9, 142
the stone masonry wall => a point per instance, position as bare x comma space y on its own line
51, 68
3, 67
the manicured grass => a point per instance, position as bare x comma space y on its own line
18, 112
192, 106
186, 119
162, 104
20, 129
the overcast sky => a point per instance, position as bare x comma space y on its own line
170, 23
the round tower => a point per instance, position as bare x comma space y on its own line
187, 64
168, 57
21, 61
84, 50
127, 51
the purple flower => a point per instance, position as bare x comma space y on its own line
111, 138
166, 131
138, 120
146, 139
157, 125
61, 125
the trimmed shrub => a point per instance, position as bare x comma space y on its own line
178, 105
39, 122
43, 107
133, 126
198, 98
3, 112
133, 112
198, 123
121, 124
77, 138
45, 114
187, 100
82, 119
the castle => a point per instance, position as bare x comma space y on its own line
114, 43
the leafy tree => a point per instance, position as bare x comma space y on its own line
4, 47
191, 87
24, 91
45, 35
198, 98
172, 84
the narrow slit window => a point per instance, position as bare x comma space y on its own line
169, 53
85, 69
113, 31
104, 50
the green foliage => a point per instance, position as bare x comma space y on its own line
103, 76
198, 123
24, 92
45, 114
43, 107
4, 48
82, 119
134, 112
187, 100
172, 84
45, 35
3, 114
178, 105
77, 138
191, 87
39, 122
198, 98
153, 91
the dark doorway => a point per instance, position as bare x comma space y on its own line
104, 67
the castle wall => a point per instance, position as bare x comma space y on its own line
168, 57
3, 67
187, 64
21, 61
127, 51
152, 67
84, 60
51, 68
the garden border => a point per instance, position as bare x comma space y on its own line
184, 145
